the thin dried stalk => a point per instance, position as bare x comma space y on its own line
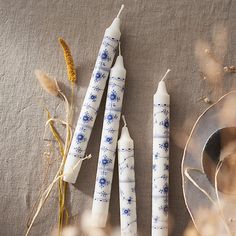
48, 190
48, 84
63, 214
55, 133
52, 88
69, 61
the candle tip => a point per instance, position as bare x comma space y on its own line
121, 9
123, 118
165, 74
119, 49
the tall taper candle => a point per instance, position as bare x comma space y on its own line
128, 217
160, 169
92, 100
108, 144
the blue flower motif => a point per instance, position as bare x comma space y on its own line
93, 97
129, 200
156, 155
98, 76
113, 96
164, 208
87, 117
165, 123
108, 139
105, 161
126, 211
105, 55
110, 117
103, 182
164, 189
164, 145
166, 167
80, 138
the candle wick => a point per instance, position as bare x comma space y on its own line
165, 74
123, 117
119, 49
121, 9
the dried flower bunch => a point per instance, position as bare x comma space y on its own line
51, 87
211, 60
208, 170
211, 57
208, 177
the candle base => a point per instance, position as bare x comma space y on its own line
99, 220
70, 174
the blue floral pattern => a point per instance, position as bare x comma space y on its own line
111, 117
105, 161
160, 181
87, 118
80, 138
165, 123
93, 97
98, 76
108, 141
91, 104
164, 145
126, 211
127, 190
103, 182
114, 96
105, 55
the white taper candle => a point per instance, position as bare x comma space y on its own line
108, 144
92, 100
128, 216
160, 171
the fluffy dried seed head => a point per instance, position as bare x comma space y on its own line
48, 84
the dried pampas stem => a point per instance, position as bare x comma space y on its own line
48, 84
69, 60
48, 190
52, 88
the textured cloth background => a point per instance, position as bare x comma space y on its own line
156, 35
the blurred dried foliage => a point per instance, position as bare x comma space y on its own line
211, 56
85, 228
219, 168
